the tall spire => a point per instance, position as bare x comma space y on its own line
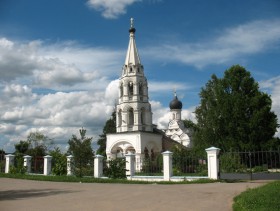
132, 56
133, 112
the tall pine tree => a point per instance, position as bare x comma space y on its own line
83, 153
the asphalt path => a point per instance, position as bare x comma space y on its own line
31, 195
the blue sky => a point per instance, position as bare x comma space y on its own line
60, 60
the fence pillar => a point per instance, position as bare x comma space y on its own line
98, 166
70, 165
213, 162
27, 163
47, 164
10, 161
130, 164
167, 165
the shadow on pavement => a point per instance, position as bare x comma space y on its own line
21, 194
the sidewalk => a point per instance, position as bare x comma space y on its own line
37, 195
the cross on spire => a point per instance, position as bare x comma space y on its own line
131, 23
175, 94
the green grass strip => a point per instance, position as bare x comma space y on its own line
264, 198
95, 180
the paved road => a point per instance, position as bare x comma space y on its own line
37, 195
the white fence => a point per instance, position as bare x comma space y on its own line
212, 162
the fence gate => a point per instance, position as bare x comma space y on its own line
257, 165
37, 165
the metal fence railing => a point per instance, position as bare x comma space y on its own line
149, 166
250, 161
190, 165
2, 162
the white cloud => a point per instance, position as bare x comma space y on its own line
63, 66
163, 86
235, 42
58, 115
112, 92
16, 60
111, 9
274, 85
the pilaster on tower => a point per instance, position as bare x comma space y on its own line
133, 110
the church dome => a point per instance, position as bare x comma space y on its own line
175, 103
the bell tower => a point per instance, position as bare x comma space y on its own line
133, 110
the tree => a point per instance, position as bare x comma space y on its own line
22, 147
82, 151
59, 162
36, 145
234, 113
39, 144
110, 127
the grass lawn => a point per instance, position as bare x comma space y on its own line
266, 197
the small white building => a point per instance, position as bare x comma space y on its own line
176, 129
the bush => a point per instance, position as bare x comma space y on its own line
59, 162
260, 169
231, 162
18, 168
116, 169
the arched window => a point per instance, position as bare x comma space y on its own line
120, 153
146, 153
130, 89
121, 90
130, 116
140, 88
120, 118
130, 69
152, 155
143, 116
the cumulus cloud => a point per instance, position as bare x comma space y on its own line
112, 91
111, 9
232, 43
56, 66
57, 115
273, 85
16, 60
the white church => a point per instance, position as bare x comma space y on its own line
135, 131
